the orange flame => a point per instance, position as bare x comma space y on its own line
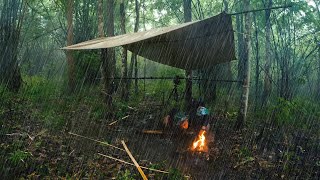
200, 144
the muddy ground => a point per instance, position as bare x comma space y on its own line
52, 154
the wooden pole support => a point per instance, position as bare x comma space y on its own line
134, 161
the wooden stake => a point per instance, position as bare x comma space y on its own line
134, 161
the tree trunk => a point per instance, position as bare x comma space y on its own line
226, 68
257, 62
188, 92
136, 89
108, 64
103, 54
12, 16
246, 80
318, 79
70, 58
226, 8
134, 57
136, 28
318, 94
239, 27
124, 86
267, 77
100, 18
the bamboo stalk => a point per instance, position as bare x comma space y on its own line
125, 162
134, 161
97, 141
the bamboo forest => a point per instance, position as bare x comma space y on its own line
160, 89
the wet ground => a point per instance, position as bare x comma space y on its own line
59, 155
173, 148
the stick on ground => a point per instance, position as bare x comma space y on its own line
152, 132
134, 161
125, 162
112, 123
97, 141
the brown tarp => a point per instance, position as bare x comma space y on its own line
193, 45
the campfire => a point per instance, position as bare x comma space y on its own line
200, 143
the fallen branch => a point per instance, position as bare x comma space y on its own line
132, 108
21, 134
134, 161
159, 132
152, 132
125, 117
97, 141
113, 123
125, 162
118, 120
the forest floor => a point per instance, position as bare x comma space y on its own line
30, 151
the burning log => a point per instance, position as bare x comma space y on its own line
199, 147
200, 143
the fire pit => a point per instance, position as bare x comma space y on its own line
199, 147
200, 143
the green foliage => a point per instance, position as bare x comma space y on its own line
126, 175
5, 95
87, 67
245, 152
296, 113
53, 120
17, 157
285, 111
42, 95
158, 166
175, 174
39, 89
121, 109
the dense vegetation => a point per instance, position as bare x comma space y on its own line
46, 92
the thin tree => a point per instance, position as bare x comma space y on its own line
124, 90
240, 36
100, 18
11, 18
136, 28
318, 44
134, 57
257, 60
70, 59
188, 92
108, 64
267, 76
246, 78
226, 68
103, 54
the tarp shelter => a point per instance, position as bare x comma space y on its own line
192, 45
